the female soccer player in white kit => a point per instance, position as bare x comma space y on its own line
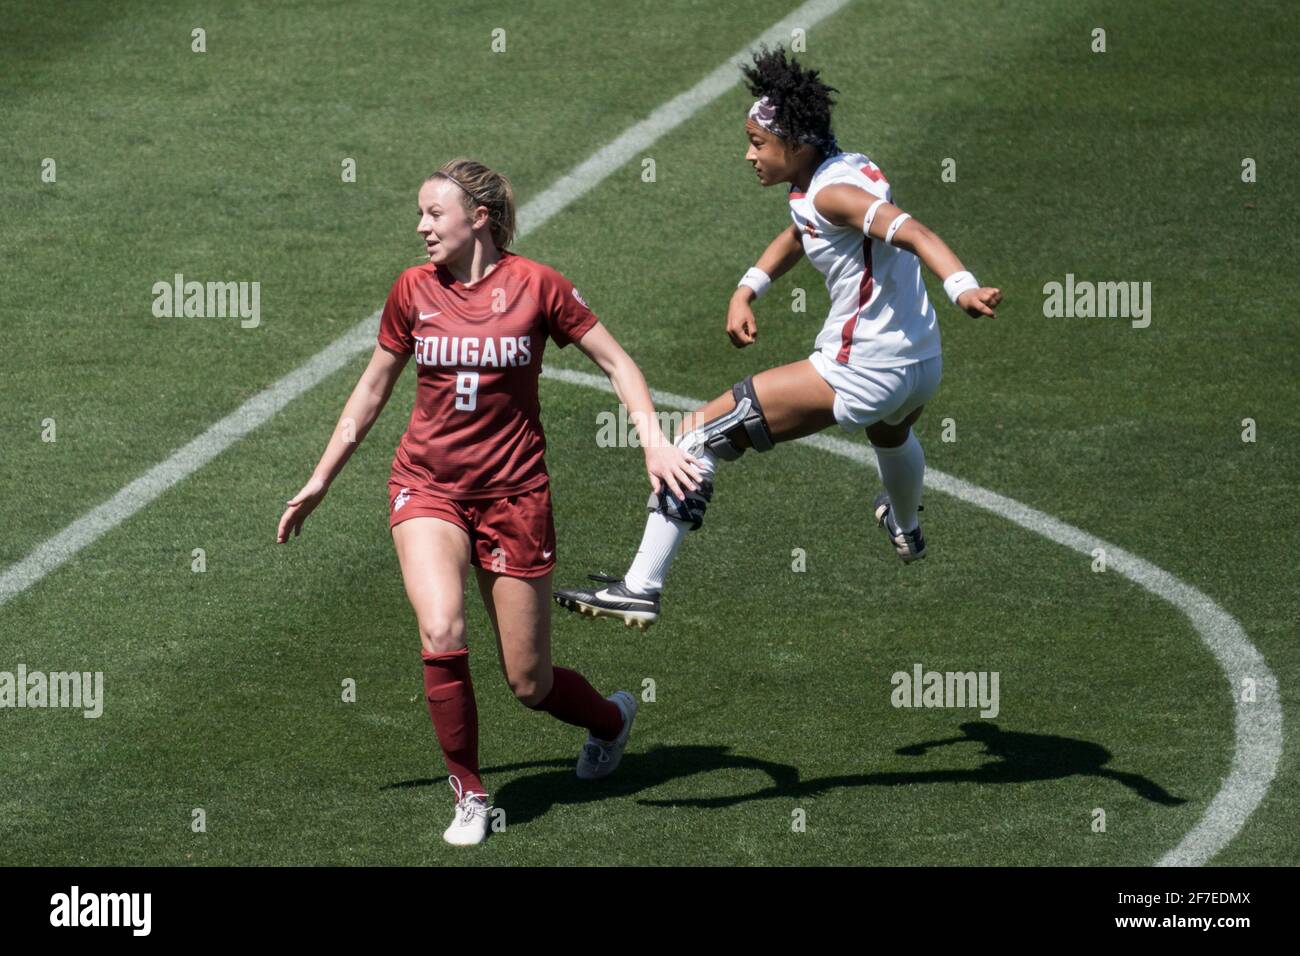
877, 358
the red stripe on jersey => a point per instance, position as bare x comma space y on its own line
873, 174
795, 194
864, 296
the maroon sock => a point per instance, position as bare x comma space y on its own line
574, 701
450, 693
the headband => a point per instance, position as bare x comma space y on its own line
763, 115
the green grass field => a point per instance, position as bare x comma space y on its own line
772, 687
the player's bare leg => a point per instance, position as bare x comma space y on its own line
434, 555
884, 435
520, 611
796, 402
777, 405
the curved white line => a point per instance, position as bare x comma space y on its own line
1258, 723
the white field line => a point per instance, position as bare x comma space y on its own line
1258, 747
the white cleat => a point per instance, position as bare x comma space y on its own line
600, 758
470, 825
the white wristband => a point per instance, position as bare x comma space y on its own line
957, 283
755, 279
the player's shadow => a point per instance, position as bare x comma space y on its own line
555, 783
1018, 758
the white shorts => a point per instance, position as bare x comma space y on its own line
864, 396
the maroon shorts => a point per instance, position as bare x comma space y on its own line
514, 535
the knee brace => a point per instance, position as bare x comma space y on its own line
754, 421
718, 435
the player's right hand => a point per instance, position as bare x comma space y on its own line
300, 506
741, 325
977, 302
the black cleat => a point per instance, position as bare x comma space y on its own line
613, 599
908, 545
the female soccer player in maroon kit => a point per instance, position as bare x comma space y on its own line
469, 485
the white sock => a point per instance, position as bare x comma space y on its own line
902, 470
663, 535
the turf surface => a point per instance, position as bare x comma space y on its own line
772, 687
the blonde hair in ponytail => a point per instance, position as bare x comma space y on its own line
484, 187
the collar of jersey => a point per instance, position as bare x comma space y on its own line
818, 171
447, 279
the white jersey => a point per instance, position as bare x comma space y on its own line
880, 314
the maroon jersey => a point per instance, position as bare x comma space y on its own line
476, 430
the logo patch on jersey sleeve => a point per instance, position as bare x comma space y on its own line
873, 173
579, 297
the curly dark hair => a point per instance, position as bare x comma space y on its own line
803, 102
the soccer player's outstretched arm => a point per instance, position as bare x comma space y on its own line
847, 205
359, 413
777, 259
665, 463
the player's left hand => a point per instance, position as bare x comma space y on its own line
668, 465
979, 302
300, 506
